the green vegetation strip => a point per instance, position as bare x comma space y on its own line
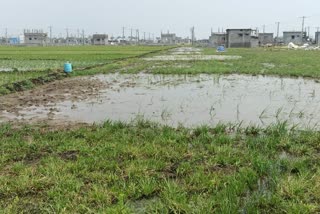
147, 168
30, 79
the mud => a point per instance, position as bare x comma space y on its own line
190, 100
73, 89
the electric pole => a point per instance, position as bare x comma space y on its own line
303, 19
264, 28
67, 32
192, 35
123, 36
6, 35
131, 35
83, 37
137, 36
78, 36
278, 28
50, 27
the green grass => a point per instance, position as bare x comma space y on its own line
254, 61
38, 62
147, 168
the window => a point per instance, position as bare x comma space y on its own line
30, 38
98, 40
240, 34
292, 37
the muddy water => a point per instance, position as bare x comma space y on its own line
190, 100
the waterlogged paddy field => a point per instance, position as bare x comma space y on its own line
191, 100
56, 164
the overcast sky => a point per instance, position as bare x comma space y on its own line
106, 16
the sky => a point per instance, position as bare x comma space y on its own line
151, 16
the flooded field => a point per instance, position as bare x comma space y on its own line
178, 99
189, 54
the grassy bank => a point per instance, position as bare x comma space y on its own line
143, 167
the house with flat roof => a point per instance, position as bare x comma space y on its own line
217, 39
294, 37
242, 38
100, 39
35, 37
266, 38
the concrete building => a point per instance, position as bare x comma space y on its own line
100, 39
35, 37
168, 38
294, 37
242, 38
317, 38
266, 38
72, 40
217, 39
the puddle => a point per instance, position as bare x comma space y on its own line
190, 54
191, 57
190, 100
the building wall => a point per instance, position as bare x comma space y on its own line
168, 38
35, 38
317, 38
217, 39
100, 39
239, 38
294, 37
266, 38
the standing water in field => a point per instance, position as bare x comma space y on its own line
189, 100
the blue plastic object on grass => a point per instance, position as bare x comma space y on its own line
67, 67
221, 49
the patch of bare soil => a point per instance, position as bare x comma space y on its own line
71, 89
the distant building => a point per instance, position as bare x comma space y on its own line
266, 38
217, 39
100, 39
317, 38
14, 41
35, 37
72, 40
242, 38
294, 37
168, 38
203, 42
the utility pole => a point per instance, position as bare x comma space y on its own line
83, 37
123, 36
192, 35
67, 31
137, 36
144, 36
278, 28
131, 35
309, 31
303, 19
50, 27
78, 36
6, 35
264, 28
